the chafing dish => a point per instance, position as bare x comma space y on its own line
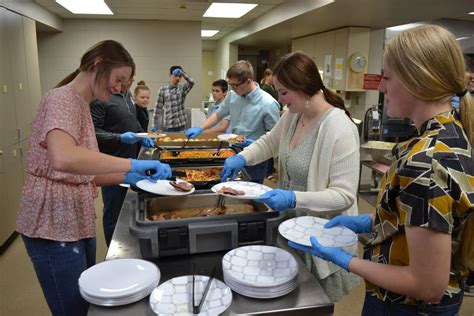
160, 232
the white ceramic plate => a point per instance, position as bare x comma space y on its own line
149, 135
162, 187
300, 229
252, 190
258, 293
118, 278
174, 297
125, 185
260, 266
226, 137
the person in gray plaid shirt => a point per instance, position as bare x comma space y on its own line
169, 113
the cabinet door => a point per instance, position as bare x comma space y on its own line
13, 183
304, 44
341, 42
324, 45
32, 66
6, 228
19, 72
8, 126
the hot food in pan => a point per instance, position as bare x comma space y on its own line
198, 175
196, 154
203, 211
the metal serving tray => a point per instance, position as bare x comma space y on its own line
200, 234
175, 139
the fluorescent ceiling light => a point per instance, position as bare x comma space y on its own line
462, 38
209, 33
228, 10
85, 6
404, 27
471, 13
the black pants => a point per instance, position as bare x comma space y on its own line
113, 197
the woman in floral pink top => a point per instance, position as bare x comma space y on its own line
57, 214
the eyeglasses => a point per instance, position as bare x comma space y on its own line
236, 85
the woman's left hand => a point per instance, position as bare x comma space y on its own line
278, 199
333, 254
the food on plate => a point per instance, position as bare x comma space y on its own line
230, 191
182, 186
202, 211
197, 175
196, 154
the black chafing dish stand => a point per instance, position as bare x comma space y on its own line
307, 299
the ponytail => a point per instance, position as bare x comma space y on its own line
335, 100
68, 78
466, 111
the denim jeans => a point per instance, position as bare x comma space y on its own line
112, 197
58, 266
258, 172
375, 307
174, 129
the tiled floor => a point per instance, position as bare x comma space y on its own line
20, 293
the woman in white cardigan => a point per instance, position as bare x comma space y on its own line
318, 148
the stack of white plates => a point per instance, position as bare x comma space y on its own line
118, 282
260, 271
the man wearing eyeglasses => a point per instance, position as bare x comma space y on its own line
253, 112
169, 115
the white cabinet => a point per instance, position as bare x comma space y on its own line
304, 44
20, 93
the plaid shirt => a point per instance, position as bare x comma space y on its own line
169, 108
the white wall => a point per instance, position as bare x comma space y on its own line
154, 45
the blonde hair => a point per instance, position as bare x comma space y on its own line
140, 86
429, 62
266, 73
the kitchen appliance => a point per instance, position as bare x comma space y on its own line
166, 225
372, 122
396, 129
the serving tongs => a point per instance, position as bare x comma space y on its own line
175, 153
197, 308
217, 153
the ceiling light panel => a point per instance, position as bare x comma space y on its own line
228, 10
209, 33
85, 6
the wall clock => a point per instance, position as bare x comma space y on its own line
357, 62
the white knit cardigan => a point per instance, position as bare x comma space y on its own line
333, 174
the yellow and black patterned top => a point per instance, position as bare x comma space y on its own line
429, 184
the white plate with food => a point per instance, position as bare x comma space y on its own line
166, 187
149, 135
231, 138
300, 229
241, 189
174, 297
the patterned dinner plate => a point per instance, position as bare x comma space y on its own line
162, 187
252, 190
174, 297
300, 229
259, 266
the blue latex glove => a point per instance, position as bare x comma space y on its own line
334, 254
153, 129
193, 132
128, 138
177, 72
232, 166
358, 224
245, 143
278, 199
132, 178
153, 168
147, 142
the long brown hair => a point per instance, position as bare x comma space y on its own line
298, 72
429, 63
113, 55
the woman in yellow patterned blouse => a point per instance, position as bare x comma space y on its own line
422, 244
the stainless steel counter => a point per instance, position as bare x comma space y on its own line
308, 299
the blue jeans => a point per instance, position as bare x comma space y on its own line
258, 172
112, 197
174, 129
58, 266
375, 307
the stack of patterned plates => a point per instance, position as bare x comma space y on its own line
260, 271
118, 282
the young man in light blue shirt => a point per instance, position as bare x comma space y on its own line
253, 112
